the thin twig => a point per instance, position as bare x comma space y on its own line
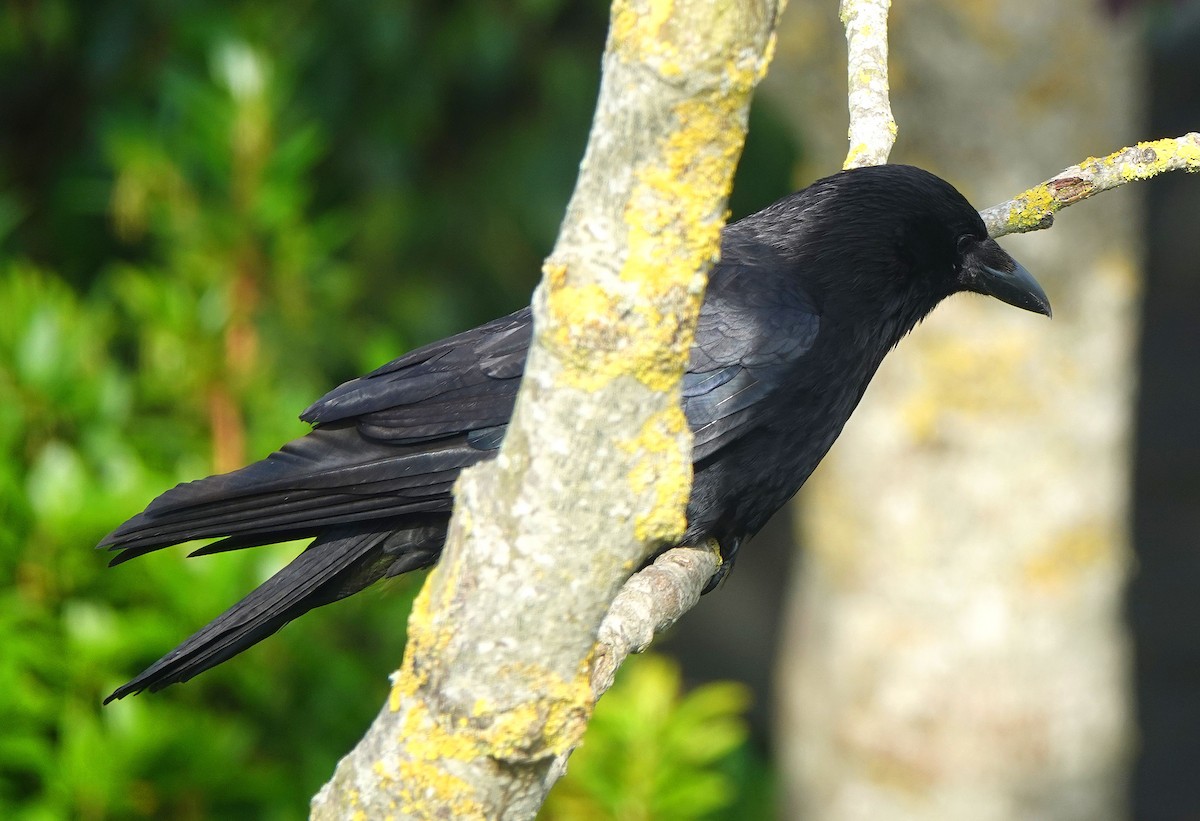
1034, 209
872, 127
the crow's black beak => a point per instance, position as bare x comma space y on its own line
988, 269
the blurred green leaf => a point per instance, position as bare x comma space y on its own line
652, 751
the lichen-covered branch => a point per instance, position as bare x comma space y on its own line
872, 127
1035, 209
650, 602
496, 686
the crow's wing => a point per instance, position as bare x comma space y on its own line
462, 384
753, 330
387, 444
754, 325
391, 443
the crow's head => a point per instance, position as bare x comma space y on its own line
943, 237
893, 235
940, 237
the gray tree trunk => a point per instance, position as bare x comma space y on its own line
955, 647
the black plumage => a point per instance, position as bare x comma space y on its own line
808, 297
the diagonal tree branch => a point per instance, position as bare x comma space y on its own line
650, 602
1034, 209
496, 687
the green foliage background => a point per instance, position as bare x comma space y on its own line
210, 213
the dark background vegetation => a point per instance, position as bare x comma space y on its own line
1164, 593
213, 211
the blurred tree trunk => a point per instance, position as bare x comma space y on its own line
955, 647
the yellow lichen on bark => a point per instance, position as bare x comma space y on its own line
425, 638
675, 37
872, 129
423, 779
673, 229
856, 155
672, 218
673, 237
637, 37
425, 782
1149, 159
1032, 207
1035, 208
548, 725
551, 725
662, 469
595, 348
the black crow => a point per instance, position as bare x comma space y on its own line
808, 296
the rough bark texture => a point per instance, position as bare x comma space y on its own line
649, 603
495, 688
956, 649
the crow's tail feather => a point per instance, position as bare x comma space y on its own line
337, 564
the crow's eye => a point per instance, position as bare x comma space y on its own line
965, 243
